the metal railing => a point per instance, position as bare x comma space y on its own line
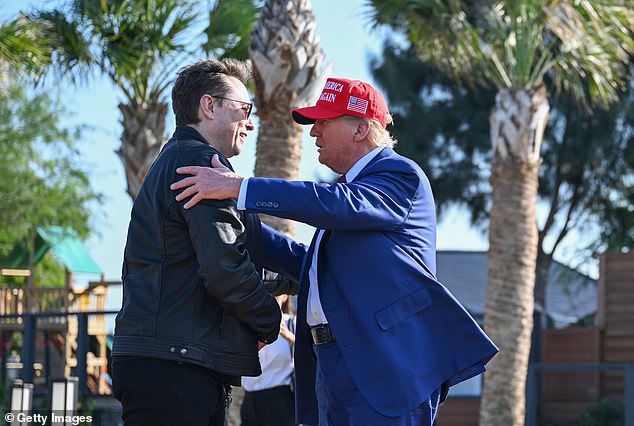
29, 327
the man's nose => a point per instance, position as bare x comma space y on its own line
250, 124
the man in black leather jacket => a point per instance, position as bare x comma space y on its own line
194, 305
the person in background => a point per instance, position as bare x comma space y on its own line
194, 305
268, 398
379, 340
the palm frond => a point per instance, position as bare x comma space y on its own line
230, 25
583, 47
22, 46
71, 52
595, 42
447, 35
134, 39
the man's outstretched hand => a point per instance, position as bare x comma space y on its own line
215, 183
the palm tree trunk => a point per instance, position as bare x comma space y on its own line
517, 126
278, 153
288, 73
142, 139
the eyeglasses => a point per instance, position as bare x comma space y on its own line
248, 106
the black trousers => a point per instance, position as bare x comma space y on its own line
269, 407
156, 392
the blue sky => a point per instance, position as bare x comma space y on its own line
347, 41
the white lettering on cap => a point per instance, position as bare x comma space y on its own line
328, 97
331, 85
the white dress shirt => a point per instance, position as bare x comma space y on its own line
314, 312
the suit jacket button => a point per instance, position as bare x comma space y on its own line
183, 352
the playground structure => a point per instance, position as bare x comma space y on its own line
53, 332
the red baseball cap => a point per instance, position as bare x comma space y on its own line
345, 97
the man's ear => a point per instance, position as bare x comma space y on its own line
361, 133
206, 106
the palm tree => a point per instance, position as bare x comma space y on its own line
288, 73
22, 49
526, 49
136, 44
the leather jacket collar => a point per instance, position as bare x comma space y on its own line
184, 131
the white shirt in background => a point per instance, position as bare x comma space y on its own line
276, 360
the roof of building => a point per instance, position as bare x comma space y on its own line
570, 295
65, 246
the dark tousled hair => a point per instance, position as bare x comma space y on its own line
208, 76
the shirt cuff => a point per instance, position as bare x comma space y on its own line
242, 195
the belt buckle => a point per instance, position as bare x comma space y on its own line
322, 334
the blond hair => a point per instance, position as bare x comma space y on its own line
378, 134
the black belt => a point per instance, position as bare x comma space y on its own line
322, 334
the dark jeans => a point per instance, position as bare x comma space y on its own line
157, 392
269, 407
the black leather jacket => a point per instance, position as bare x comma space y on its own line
190, 290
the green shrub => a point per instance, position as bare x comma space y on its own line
608, 413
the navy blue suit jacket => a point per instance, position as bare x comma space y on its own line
401, 332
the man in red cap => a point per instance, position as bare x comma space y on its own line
379, 340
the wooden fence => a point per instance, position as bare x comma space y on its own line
616, 317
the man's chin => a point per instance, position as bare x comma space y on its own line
236, 151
